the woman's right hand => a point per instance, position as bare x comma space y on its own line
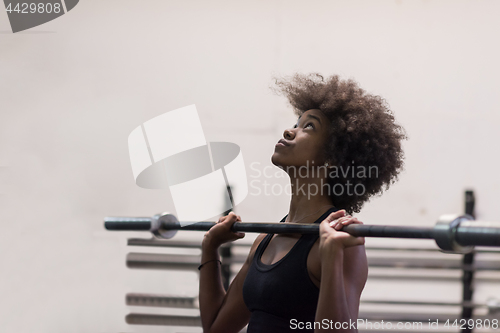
221, 232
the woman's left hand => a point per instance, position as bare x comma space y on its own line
330, 235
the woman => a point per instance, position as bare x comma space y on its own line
350, 147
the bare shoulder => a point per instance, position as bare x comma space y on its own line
355, 273
355, 263
314, 264
356, 266
254, 246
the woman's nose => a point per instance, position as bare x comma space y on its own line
288, 134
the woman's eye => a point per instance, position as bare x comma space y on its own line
309, 124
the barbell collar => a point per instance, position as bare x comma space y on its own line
164, 225
445, 233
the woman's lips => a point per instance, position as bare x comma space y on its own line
282, 143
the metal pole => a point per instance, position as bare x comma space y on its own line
468, 275
225, 251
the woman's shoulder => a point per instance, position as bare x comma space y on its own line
354, 259
254, 246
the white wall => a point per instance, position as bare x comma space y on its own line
73, 89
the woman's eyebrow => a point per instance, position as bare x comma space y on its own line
314, 117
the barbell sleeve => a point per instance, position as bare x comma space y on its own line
127, 223
482, 233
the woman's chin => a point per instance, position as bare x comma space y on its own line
275, 160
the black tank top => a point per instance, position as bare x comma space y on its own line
277, 293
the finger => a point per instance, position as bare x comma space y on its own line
232, 216
357, 221
326, 226
333, 223
337, 224
232, 220
351, 220
335, 215
329, 228
226, 218
345, 218
340, 224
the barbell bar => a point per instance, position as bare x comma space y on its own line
452, 233
192, 302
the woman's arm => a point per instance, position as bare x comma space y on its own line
343, 275
212, 291
355, 276
222, 311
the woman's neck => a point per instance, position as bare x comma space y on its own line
309, 200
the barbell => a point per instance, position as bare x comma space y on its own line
452, 233
192, 302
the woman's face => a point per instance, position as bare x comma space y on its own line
303, 144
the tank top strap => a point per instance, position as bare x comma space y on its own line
306, 240
262, 246
321, 218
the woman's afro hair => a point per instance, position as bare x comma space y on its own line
363, 133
